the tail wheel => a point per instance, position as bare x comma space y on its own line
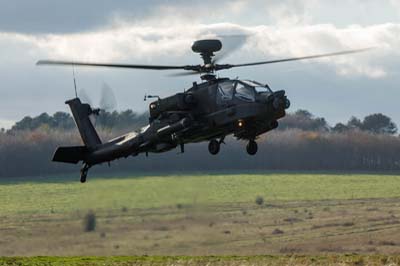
84, 172
214, 147
252, 147
83, 176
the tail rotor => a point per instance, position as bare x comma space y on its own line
106, 103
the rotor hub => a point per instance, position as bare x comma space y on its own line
208, 76
207, 48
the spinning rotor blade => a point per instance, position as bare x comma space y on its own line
72, 63
205, 68
218, 67
230, 43
82, 94
85, 98
108, 101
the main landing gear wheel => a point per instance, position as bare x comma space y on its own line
252, 147
84, 171
214, 146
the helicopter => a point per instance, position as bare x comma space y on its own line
207, 111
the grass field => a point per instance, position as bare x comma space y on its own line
213, 214
66, 195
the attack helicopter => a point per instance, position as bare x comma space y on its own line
207, 111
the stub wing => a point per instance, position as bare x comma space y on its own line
72, 154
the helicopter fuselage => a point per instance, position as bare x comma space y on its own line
209, 111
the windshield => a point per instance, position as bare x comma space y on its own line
245, 92
225, 91
257, 86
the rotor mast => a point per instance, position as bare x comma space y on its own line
206, 49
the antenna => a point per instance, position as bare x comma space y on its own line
73, 74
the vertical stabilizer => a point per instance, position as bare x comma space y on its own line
81, 112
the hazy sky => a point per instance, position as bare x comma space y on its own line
161, 32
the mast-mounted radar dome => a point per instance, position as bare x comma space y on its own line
206, 46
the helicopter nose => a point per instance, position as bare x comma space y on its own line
280, 100
287, 103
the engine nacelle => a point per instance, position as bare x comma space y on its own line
178, 102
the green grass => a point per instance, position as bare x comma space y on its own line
157, 191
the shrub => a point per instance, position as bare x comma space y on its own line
387, 243
259, 200
90, 222
277, 231
162, 228
292, 220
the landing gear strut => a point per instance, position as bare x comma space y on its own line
214, 146
84, 171
252, 147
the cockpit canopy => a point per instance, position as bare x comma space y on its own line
243, 90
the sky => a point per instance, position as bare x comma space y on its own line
161, 32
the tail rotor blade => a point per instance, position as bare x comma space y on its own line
93, 119
108, 101
84, 97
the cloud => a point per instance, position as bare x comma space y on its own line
291, 12
30, 90
135, 43
161, 31
49, 16
316, 39
395, 4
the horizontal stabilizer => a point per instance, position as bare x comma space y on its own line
72, 154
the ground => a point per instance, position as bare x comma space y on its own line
295, 260
197, 215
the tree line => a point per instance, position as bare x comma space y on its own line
129, 120
303, 142
63, 121
374, 123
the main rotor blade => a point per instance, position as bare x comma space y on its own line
72, 63
293, 59
230, 43
181, 74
